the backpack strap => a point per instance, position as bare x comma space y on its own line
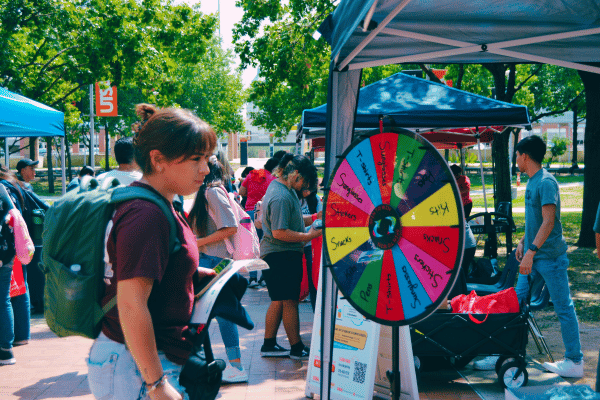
126, 193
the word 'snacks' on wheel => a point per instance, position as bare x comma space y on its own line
393, 227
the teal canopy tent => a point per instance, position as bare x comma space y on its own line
23, 117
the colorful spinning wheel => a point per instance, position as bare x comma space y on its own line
394, 227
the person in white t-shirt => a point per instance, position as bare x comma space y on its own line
128, 170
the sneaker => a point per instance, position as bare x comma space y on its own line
300, 355
486, 364
262, 283
566, 368
7, 357
234, 375
252, 283
20, 343
273, 351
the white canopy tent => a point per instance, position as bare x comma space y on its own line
368, 33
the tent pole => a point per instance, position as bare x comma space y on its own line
481, 171
6, 155
62, 164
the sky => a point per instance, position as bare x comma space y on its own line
230, 14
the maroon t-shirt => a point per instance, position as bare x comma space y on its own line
138, 246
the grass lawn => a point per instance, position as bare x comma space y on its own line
489, 180
584, 274
570, 197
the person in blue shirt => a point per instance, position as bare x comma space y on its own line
543, 251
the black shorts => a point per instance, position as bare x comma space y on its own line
284, 275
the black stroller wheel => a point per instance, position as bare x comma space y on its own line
501, 361
508, 377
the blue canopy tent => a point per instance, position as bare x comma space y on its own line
424, 107
23, 117
368, 33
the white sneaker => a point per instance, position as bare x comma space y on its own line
566, 368
486, 364
234, 375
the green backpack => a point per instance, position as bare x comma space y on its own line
74, 233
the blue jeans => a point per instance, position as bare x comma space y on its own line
554, 273
229, 330
113, 374
14, 313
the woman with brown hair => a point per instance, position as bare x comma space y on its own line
142, 347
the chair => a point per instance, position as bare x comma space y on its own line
540, 298
507, 279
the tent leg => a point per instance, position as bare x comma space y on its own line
6, 155
62, 164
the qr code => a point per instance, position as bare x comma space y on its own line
360, 369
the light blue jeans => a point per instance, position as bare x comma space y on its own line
113, 374
229, 330
554, 273
14, 313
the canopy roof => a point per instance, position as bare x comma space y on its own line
20, 116
421, 105
559, 32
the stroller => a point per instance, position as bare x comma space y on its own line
454, 338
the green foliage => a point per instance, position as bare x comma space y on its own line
51, 50
293, 70
215, 94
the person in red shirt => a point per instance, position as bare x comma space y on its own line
253, 188
142, 347
464, 185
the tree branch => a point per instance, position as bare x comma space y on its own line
59, 101
37, 52
55, 57
430, 74
564, 110
534, 73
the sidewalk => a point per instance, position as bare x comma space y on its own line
54, 368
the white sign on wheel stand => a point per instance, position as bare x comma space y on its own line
361, 357
354, 354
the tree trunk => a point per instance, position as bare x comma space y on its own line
500, 145
502, 166
574, 165
50, 171
69, 165
32, 147
591, 158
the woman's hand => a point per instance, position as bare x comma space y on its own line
165, 392
202, 272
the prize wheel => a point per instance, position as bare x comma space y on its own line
393, 227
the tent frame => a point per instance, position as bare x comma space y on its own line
342, 97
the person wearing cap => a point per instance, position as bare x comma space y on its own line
26, 172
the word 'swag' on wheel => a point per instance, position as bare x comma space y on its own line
393, 227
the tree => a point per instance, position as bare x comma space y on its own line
293, 65
213, 90
51, 49
591, 188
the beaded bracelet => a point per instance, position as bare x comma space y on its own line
150, 387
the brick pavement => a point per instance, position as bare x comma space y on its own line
54, 368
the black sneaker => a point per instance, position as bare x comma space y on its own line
7, 357
273, 351
300, 355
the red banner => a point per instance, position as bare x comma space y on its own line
106, 100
